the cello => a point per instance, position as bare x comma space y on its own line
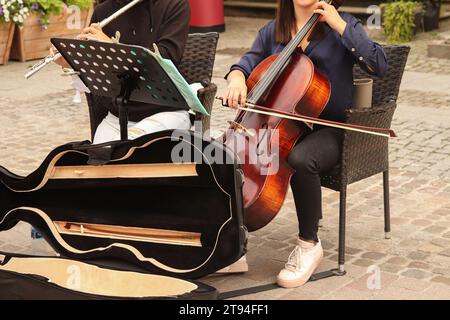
290, 88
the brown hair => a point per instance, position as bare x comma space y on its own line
285, 23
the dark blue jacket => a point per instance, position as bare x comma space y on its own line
333, 54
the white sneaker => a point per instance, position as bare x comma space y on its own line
301, 264
239, 266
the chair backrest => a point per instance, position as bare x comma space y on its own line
387, 88
199, 55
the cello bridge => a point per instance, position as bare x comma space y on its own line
240, 128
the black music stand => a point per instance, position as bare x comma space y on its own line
121, 72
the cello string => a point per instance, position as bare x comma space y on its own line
262, 84
281, 61
279, 64
283, 58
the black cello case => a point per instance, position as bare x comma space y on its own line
130, 219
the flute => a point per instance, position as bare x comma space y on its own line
49, 59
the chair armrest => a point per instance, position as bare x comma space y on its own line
206, 96
364, 155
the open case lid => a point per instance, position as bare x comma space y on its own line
125, 205
53, 278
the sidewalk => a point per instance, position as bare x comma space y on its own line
37, 115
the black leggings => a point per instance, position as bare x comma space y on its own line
316, 153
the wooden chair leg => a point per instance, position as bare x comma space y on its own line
387, 212
342, 216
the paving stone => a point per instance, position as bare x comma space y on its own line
327, 245
399, 221
421, 222
260, 269
373, 255
437, 291
445, 252
417, 255
411, 284
434, 229
299, 294
389, 267
400, 261
277, 245
416, 273
419, 265
444, 243
366, 282
10, 248
363, 262
429, 248
395, 293
441, 279
352, 251
442, 271
442, 212
350, 294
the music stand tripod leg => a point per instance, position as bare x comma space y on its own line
121, 101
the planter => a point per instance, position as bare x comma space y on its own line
400, 27
418, 19
431, 16
32, 42
6, 37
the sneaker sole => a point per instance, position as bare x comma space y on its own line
298, 282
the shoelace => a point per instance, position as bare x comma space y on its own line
294, 260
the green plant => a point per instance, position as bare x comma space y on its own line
398, 20
46, 8
13, 11
82, 4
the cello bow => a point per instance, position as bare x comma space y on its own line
387, 133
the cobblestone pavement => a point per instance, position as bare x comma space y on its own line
414, 263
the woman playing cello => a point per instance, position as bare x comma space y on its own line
338, 42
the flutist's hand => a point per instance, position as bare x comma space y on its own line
94, 32
61, 61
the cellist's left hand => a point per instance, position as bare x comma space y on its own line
331, 16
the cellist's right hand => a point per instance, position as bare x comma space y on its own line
237, 89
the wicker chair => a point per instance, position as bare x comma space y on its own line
196, 66
365, 155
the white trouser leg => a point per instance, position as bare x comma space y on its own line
109, 128
170, 120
